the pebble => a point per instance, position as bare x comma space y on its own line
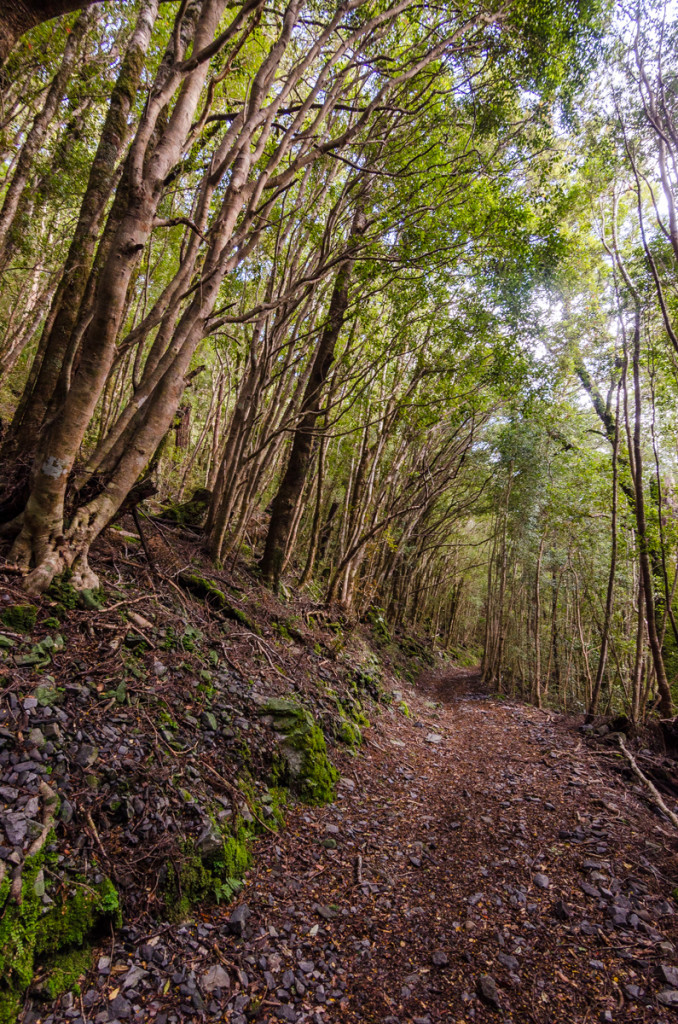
487, 990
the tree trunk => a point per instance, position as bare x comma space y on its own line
47, 381
292, 483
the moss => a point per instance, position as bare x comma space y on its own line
350, 734
367, 678
199, 876
191, 512
304, 764
63, 973
30, 932
20, 618
404, 708
376, 616
208, 592
63, 592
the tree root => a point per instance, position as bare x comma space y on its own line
49, 811
654, 792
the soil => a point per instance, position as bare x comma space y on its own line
483, 862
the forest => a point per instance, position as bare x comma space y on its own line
333, 334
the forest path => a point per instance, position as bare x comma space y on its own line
480, 864
505, 848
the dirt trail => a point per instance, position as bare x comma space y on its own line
480, 864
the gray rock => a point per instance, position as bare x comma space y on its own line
669, 974
509, 962
16, 826
134, 976
541, 881
668, 997
209, 721
487, 990
36, 738
440, 958
238, 920
86, 755
434, 737
210, 840
66, 811
216, 977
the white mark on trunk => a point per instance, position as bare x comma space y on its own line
54, 467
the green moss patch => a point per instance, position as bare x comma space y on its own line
350, 734
303, 764
63, 973
211, 874
208, 592
31, 933
20, 618
189, 513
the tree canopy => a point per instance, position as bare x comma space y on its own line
379, 297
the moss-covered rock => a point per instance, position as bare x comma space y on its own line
192, 512
349, 733
20, 618
63, 592
63, 973
208, 591
303, 765
31, 932
213, 872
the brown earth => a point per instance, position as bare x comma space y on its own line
482, 863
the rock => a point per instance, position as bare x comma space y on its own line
134, 976
509, 962
618, 915
487, 990
325, 912
541, 881
209, 721
210, 841
440, 958
590, 890
669, 974
238, 920
36, 738
120, 1007
434, 737
16, 826
216, 977
66, 811
86, 755
668, 997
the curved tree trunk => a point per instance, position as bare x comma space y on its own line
294, 479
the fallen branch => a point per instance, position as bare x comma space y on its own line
656, 795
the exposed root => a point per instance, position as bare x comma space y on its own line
654, 792
49, 812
